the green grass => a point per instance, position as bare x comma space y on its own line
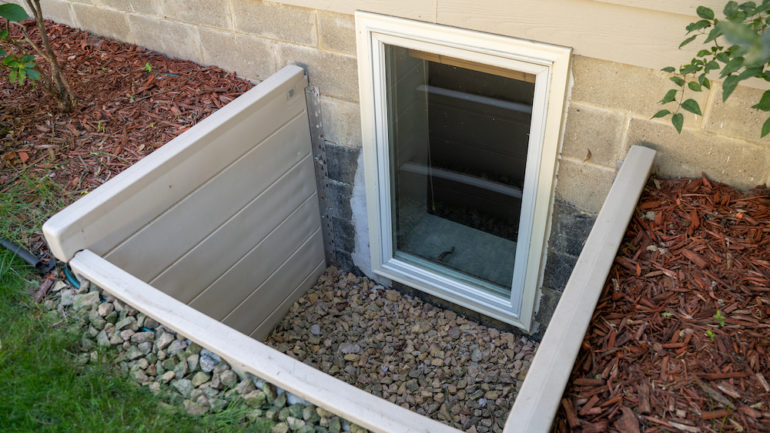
42, 388
26, 205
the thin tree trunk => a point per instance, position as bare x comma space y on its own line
57, 86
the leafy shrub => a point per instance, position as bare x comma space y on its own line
738, 47
20, 62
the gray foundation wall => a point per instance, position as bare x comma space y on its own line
608, 110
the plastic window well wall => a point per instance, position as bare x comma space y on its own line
175, 194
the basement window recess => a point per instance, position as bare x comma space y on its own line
460, 139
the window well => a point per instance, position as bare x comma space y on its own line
460, 133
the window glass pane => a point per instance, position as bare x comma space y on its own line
458, 135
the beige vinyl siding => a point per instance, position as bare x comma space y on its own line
224, 218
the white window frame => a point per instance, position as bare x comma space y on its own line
550, 65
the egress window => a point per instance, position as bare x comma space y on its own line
460, 136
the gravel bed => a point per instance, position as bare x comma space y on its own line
409, 352
184, 374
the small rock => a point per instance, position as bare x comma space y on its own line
194, 409
167, 376
294, 423
192, 362
281, 427
228, 378
200, 378
141, 337
180, 369
315, 329
85, 300
122, 323
67, 297
352, 357
58, 285
102, 339
164, 340
476, 356
105, 308
133, 352
184, 386
151, 323
293, 399
392, 295
140, 376
357, 429
347, 348
209, 360
244, 387
176, 346
255, 398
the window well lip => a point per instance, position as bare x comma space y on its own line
549, 65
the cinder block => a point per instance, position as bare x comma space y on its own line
341, 163
338, 195
213, 13
583, 185
626, 88
147, 7
735, 162
59, 11
735, 117
102, 21
249, 57
341, 121
547, 304
276, 21
594, 130
336, 75
168, 37
337, 32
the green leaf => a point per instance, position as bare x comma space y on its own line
33, 74
689, 69
12, 75
27, 58
13, 12
677, 120
731, 8
766, 127
2, 53
692, 106
713, 34
22, 76
660, 113
764, 102
3, 34
704, 81
694, 86
670, 96
698, 25
732, 66
705, 12
729, 86
711, 66
703, 53
687, 41
668, 69
679, 81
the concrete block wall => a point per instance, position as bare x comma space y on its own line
608, 110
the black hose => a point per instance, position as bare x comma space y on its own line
41, 266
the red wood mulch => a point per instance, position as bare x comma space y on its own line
124, 112
680, 339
